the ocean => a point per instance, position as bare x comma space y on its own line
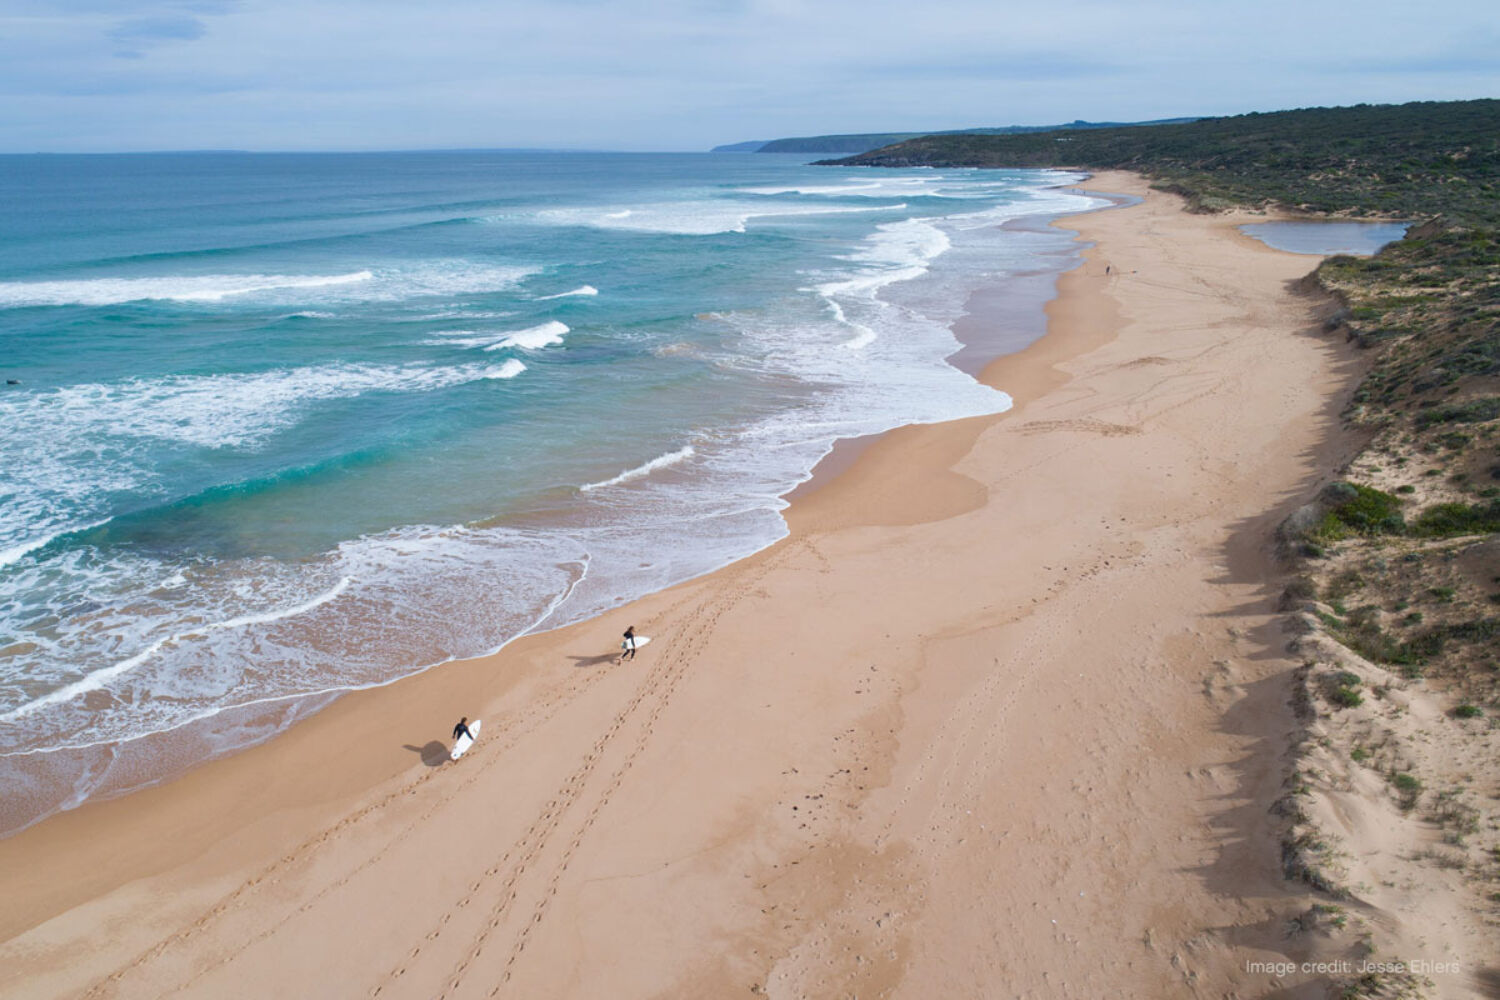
279, 427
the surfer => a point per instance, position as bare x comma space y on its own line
462, 729
629, 647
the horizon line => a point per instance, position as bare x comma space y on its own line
342, 152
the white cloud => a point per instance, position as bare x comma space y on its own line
684, 74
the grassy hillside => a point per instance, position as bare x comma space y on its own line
1396, 160
863, 141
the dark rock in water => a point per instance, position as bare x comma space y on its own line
12, 381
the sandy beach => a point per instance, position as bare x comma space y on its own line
1004, 716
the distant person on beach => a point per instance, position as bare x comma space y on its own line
629, 653
462, 729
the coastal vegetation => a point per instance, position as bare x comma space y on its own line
1394, 590
1418, 512
860, 142
1387, 161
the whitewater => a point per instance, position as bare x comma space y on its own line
281, 427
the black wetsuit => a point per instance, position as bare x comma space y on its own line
629, 653
462, 730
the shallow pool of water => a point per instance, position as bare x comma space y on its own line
1327, 237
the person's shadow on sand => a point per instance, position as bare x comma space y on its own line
593, 661
434, 754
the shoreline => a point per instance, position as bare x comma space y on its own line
158, 757
979, 348
198, 842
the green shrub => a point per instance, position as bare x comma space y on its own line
1467, 711
1346, 697
1482, 630
1475, 411
1361, 509
1345, 584
1408, 789
1448, 519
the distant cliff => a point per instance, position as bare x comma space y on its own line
753, 146
863, 142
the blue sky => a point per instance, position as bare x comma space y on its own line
101, 75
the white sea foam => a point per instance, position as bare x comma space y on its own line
183, 288
863, 335
99, 679
100, 435
898, 187
510, 369
214, 411
445, 277
697, 218
851, 187
1051, 202
581, 290
460, 314
442, 277
15, 552
533, 338
459, 338
990, 184
248, 632
660, 462
267, 617
897, 251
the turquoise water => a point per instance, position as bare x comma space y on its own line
286, 426
1324, 238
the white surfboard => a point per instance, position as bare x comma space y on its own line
640, 641
464, 742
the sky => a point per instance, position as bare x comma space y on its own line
132, 75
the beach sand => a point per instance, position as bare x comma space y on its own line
1004, 715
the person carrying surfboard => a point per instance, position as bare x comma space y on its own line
462, 729
629, 646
